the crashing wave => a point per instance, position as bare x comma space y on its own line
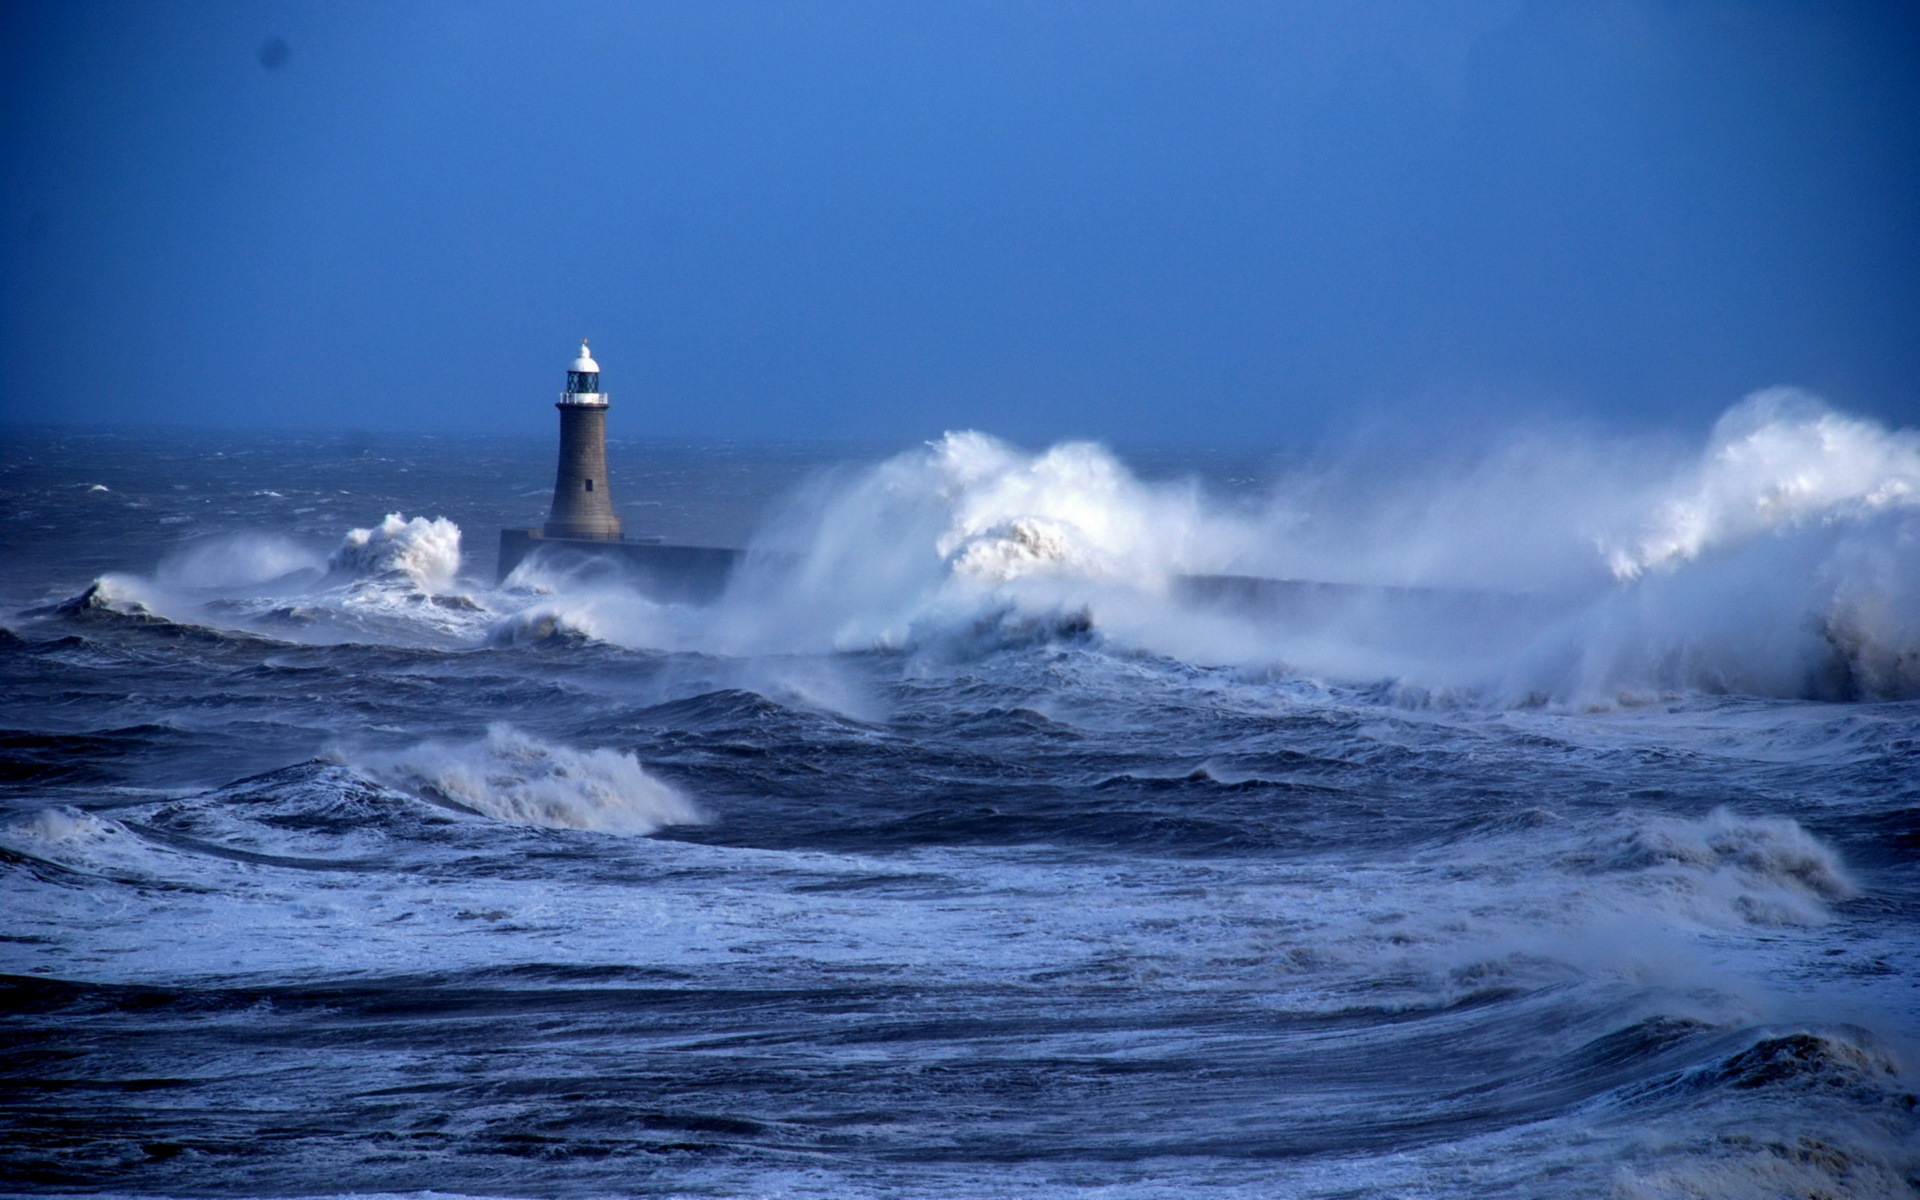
391, 583
1872, 620
68, 839
1005, 628
543, 624
1779, 459
513, 776
117, 595
425, 551
1762, 870
1783, 560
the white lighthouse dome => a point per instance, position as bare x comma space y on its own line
585, 361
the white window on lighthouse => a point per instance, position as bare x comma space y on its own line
589, 485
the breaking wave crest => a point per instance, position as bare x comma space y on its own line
1780, 459
937, 536
112, 594
1752, 870
513, 776
426, 551
1783, 559
1772, 851
395, 582
1623, 895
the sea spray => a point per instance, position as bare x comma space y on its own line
1775, 562
239, 561
945, 532
1779, 459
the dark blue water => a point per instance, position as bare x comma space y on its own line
952, 854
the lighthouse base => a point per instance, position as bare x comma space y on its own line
658, 570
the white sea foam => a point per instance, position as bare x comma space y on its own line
1770, 852
1073, 510
425, 551
1778, 459
514, 776
95, 845
66, 824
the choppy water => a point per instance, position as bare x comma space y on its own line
954, 853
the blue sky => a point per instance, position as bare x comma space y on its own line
1154, 223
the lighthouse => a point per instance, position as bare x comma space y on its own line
582, 503
581, 531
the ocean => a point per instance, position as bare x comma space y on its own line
1552, 832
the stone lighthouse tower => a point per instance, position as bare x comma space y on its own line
582, 504
581, 527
